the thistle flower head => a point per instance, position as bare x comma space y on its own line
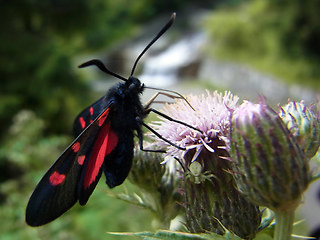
210, 115
304, 124
270, 167
146, 171
210, 192
158, 185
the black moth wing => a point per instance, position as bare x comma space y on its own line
117, 166
88, 115
62, 186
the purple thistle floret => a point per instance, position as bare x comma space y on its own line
211, 196
211, 115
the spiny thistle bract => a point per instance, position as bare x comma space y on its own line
271, 169
211, 196
304, 124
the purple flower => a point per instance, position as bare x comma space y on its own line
210, 194
211, 115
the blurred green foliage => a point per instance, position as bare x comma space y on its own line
40, 94
278, 37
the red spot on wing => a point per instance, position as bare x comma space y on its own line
76, 147
91, 111
105, 143
82, 122
112, 141
103, 117
56, 178
81, 159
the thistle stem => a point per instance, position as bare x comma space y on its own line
284, 224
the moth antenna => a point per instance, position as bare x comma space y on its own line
102, 67
160, 33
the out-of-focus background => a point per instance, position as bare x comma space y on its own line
251, 47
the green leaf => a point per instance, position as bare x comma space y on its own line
134, 199
170, 235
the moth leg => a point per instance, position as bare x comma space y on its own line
140, 137
168, 93
152, 99
171, 119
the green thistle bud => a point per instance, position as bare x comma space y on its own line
271, 168
211, 194
147, 170
303, 124
158, 185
